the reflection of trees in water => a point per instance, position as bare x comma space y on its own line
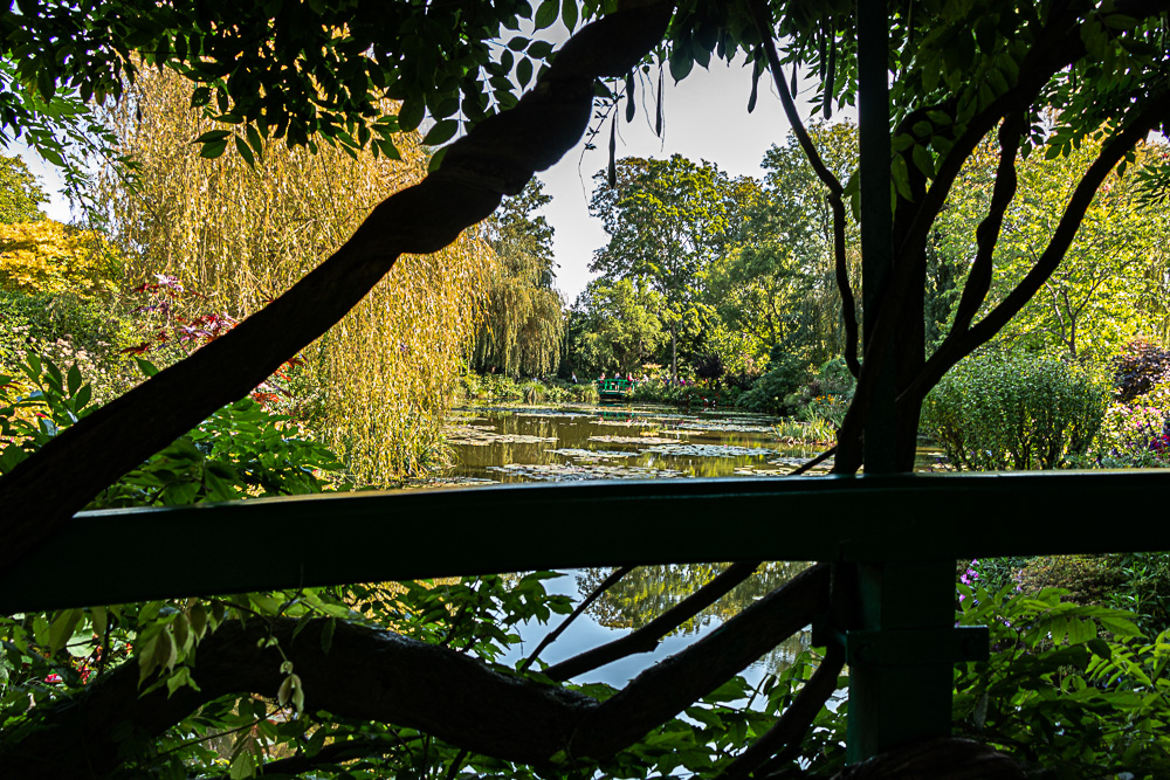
648, 591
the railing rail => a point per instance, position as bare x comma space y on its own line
113, 556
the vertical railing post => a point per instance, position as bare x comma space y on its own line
901, 642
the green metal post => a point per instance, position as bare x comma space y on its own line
898, 643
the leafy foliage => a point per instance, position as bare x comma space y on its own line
1138, 368
21, 195
522, 325
50, 257
237, 235
1071, 688
1005, 411
667, 220
1108, 287
615, 327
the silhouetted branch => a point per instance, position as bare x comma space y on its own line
987, 234
1147, 115
376, 675
665, 689
780, 743
646, 638
613, 579
813, 462
763, 19
495, 158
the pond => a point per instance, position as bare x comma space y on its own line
519, 443
539, 444
508, 444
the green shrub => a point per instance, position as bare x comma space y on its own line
1000, 411
1143, 587
827, 395
1070, 690
68, 328
770, 394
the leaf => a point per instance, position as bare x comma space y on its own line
73, 379
442, 132
245, 152
547, 13
611, 171
524, 72
147, 368
242, 766
411, 113
62, 629
630, 107
569, 15
327, 635
751, 106
213, 150
681, 63
100, 620
658, 107
284, 693
212, 136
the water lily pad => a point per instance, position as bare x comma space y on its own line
572, 472
633, 440
580, 454
708, 450
483, 435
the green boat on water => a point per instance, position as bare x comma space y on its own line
615, 389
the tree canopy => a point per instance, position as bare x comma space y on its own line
959, 73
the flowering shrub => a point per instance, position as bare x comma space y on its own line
1133, 433
1139, 368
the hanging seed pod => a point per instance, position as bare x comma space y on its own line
829, 78
792, 81
611, 174
658, 110
822, 57
756, 70
630, 96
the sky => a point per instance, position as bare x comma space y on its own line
705, 117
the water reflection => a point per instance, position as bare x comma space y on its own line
526, 444
649, 591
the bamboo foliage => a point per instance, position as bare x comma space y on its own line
376, 386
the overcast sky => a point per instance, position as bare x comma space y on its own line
705, 118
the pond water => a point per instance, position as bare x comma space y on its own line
516, 443
538, 444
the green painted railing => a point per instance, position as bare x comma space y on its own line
134, 554
898, 537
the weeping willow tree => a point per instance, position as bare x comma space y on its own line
521, 336
376, 386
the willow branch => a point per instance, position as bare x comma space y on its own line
497, 157
646, 638
763, 20
613, 579
778, 744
